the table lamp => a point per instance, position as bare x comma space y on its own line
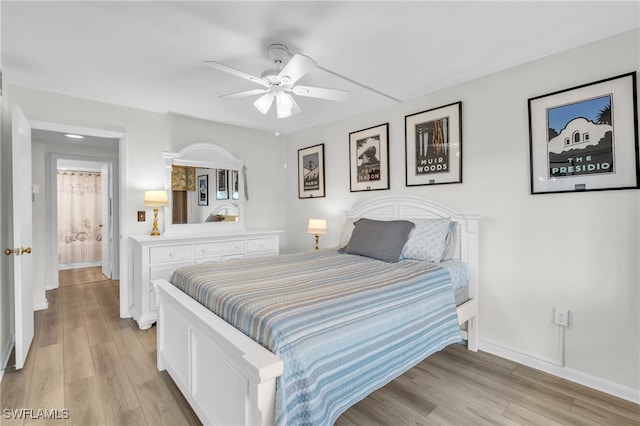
317, 227
155, 199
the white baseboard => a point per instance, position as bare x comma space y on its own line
62, 266
4, 356
597, 383
42, 306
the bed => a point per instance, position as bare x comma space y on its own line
228, 378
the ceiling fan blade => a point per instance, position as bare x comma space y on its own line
237, 73
297, 66
319, 92
245, 93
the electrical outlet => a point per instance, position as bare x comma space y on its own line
561, 316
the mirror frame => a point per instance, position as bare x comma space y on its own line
204, 155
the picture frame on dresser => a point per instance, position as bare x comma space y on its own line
203, 190
433, 146
235, 193
222, 189
585, 138
369, 159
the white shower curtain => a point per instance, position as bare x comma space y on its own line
79, 217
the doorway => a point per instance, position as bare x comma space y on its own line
84, 194
89, 163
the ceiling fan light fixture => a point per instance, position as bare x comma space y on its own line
284, 103
263, 103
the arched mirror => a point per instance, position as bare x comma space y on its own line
205, 186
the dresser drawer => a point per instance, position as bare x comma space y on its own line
261, 244
220, 258
170, 253
218, 247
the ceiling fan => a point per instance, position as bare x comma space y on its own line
279, 83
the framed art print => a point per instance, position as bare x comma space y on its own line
235, 193
369, 158
203, 190
311, 172
585, 138
222, 191
433, 146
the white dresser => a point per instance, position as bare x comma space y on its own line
158, 257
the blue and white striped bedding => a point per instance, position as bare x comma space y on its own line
344, 325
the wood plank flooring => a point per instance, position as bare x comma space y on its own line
101, 368
87, 360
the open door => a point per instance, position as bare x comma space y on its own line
22, 235
106, 173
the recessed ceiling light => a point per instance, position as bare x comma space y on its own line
72, 136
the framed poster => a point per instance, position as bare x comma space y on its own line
433, 146
203, 190
311, 172
369, 158
234, 185
222, 191
585, 138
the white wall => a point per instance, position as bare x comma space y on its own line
578, 251
148, 135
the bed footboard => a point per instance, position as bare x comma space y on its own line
226, 377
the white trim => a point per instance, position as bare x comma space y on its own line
78, 265
6, 353
597, 383
43, 306
68, 128
123, 268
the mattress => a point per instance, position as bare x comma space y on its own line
343, 325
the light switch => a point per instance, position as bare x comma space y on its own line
141, 216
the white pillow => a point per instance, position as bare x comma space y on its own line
345, 234
428, 240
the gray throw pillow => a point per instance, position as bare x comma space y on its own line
379, 239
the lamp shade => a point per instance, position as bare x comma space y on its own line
156, 198
263, 103
284, 104
317, 226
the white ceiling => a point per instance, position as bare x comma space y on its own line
150, 55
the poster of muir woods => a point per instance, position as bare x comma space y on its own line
432, 147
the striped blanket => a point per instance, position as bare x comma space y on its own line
343, 325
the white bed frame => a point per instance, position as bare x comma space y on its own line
228, 378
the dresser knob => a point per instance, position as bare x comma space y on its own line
171, 254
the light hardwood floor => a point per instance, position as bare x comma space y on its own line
101, 368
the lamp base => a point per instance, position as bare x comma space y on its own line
317, 238
155, 232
